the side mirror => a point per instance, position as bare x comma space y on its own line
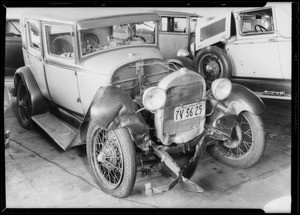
183, 53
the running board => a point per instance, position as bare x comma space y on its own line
274, 95
58, 130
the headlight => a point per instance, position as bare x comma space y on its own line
221, 88
154, 98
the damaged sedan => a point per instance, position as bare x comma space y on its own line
99, 79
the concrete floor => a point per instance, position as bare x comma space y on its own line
39, 174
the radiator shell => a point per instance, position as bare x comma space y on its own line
182, 87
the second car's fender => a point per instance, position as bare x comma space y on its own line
113, 108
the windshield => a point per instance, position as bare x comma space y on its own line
108, 37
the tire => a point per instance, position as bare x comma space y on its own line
248, 143
112, 160
24, 106
213, 63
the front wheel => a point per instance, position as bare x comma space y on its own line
247, 145
112, 160
213, 63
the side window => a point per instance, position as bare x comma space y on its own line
173, 24
257, 22
12, 28
34, 35
60, 41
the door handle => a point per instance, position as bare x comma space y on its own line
272, 40
41, 59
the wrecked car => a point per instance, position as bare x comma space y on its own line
251, 47
96, 77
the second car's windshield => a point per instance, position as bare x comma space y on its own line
98, 39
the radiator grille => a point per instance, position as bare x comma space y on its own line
177, 96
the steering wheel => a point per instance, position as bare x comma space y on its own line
261, 28
130, 38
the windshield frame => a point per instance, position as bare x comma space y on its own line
155, 44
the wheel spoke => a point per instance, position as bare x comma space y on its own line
116, 168
248, 133
247, 145
240, 151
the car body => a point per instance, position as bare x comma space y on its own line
252, 47
176, 31
13, 46
96, 77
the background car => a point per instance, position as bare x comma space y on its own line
252, 47
176, 30
13, 46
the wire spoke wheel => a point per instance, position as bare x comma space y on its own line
108, 158
211, 66
112, 159
247, 142
213, 62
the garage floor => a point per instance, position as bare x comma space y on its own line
39, 174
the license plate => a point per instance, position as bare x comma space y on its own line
189, 111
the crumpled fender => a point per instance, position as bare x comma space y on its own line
113, 108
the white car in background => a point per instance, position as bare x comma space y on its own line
252, 47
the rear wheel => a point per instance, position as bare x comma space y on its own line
24, 105
247, 145
111, 156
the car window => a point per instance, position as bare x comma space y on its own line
60, 41
257, 22
108, 37
173, 24
34, 35
12, 28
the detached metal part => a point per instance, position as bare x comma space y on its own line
185, 183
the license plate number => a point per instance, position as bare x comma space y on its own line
189, 111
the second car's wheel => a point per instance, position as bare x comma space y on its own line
112, 160
247, 144
24, 105
214, 63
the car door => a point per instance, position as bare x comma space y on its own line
33, 55
173, 35
254, 52
60, 66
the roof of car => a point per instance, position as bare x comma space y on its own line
74, 15
178, 13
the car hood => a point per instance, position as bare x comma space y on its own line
106, 62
